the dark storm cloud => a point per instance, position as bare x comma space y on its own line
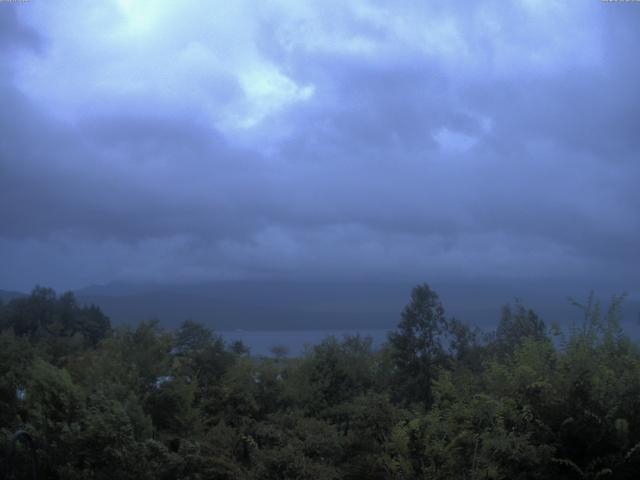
462, 140
550, 167
128, 177
14, 34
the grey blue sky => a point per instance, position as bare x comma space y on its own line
189, 141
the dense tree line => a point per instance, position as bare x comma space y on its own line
438, 401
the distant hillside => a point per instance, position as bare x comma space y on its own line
253, 305
249, 306
6, 295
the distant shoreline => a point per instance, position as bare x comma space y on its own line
260, 342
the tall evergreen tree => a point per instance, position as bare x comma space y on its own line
417, 346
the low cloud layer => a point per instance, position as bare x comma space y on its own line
182, 141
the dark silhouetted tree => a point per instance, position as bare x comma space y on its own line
417, 346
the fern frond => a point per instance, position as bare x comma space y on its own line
569, 464
604, 471
632, 451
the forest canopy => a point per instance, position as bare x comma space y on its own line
438, 400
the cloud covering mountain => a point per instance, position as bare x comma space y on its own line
196, 141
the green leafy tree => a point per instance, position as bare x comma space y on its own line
333, 373
171, 406
192, 337
201, 356
417, 346
516, 325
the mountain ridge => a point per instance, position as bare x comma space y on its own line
282, 305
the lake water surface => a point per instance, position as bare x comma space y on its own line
261, 342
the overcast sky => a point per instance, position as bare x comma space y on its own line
189, 141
